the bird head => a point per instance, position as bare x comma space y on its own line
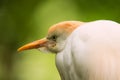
55, 39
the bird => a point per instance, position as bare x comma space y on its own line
84, 50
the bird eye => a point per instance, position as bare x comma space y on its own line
54, 37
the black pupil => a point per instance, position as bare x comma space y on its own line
54, 38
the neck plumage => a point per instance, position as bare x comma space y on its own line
100, 68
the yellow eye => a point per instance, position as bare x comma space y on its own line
54, 38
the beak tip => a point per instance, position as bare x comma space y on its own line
19, 50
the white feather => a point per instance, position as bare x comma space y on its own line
92, 52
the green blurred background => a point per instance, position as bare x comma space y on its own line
23, 21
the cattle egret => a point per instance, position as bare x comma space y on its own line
84, 51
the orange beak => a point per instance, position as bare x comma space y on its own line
34, 45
